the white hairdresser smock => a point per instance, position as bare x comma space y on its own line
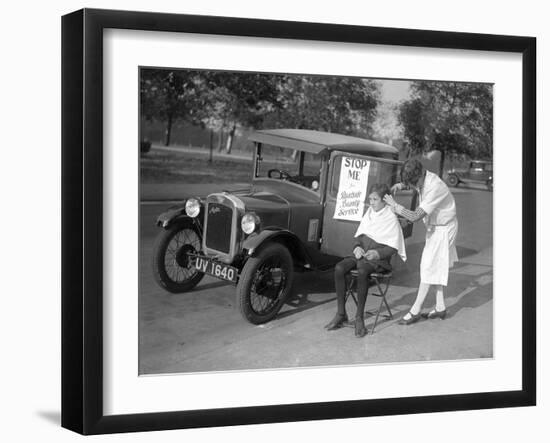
439, 253
384, 228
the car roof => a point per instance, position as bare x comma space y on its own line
316, 142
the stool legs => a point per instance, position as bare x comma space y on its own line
351, 288
382, 295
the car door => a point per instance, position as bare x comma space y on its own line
337, 235
477, 172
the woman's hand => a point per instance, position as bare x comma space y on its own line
397, 187
358, 252
372, 254
388, 199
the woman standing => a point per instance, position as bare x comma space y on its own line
378, 237
438, 210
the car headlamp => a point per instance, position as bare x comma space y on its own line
249, 223
192, 207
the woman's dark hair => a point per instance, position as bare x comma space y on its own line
380, 188
411, 172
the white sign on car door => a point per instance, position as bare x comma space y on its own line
352, 189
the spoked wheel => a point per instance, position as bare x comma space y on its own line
265, 283
453, 180
172, 258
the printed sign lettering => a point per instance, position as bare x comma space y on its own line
352, 189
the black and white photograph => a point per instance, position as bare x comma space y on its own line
275, 222
298, 220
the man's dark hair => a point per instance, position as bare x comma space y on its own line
411, 172
381, 189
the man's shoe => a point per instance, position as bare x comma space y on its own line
413, 319
337, 322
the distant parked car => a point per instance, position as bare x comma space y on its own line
283, 222
479, 171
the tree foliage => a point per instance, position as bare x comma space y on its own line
386, 127
171, 95
224, 100
331, 104
450, 117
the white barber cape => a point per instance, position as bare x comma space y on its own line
439, 253
384, 228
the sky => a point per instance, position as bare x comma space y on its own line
393, 91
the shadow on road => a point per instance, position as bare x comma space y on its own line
465, 252
314, 289
310, 290
463, 293
474, 296
212, 285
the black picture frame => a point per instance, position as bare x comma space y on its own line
82, 218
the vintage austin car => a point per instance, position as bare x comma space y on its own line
281, 223
478, 171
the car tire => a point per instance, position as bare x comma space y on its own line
490, 185
265, 283
171, 265
453, 180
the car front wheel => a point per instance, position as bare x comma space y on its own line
265, 283
172, 258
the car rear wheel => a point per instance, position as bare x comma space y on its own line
490, 185
453, 180
172, 258
265, 283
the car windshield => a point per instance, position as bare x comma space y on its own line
290, 165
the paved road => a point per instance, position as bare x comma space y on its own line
203, 331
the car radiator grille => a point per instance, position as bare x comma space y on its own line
218, 229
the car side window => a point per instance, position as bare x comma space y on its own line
286, 164
477, 166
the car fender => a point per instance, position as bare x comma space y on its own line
176, 214
253, 244
459, 174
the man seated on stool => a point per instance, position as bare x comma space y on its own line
378, 237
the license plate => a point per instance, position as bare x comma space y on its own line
216, 269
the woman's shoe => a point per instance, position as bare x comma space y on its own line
337, 322
437, 314
360, 330
413, 319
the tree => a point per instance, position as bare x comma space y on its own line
332, 104
170, 95
223, 101
450, 117
239, 99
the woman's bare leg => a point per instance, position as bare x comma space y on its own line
420, 297
439, 298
